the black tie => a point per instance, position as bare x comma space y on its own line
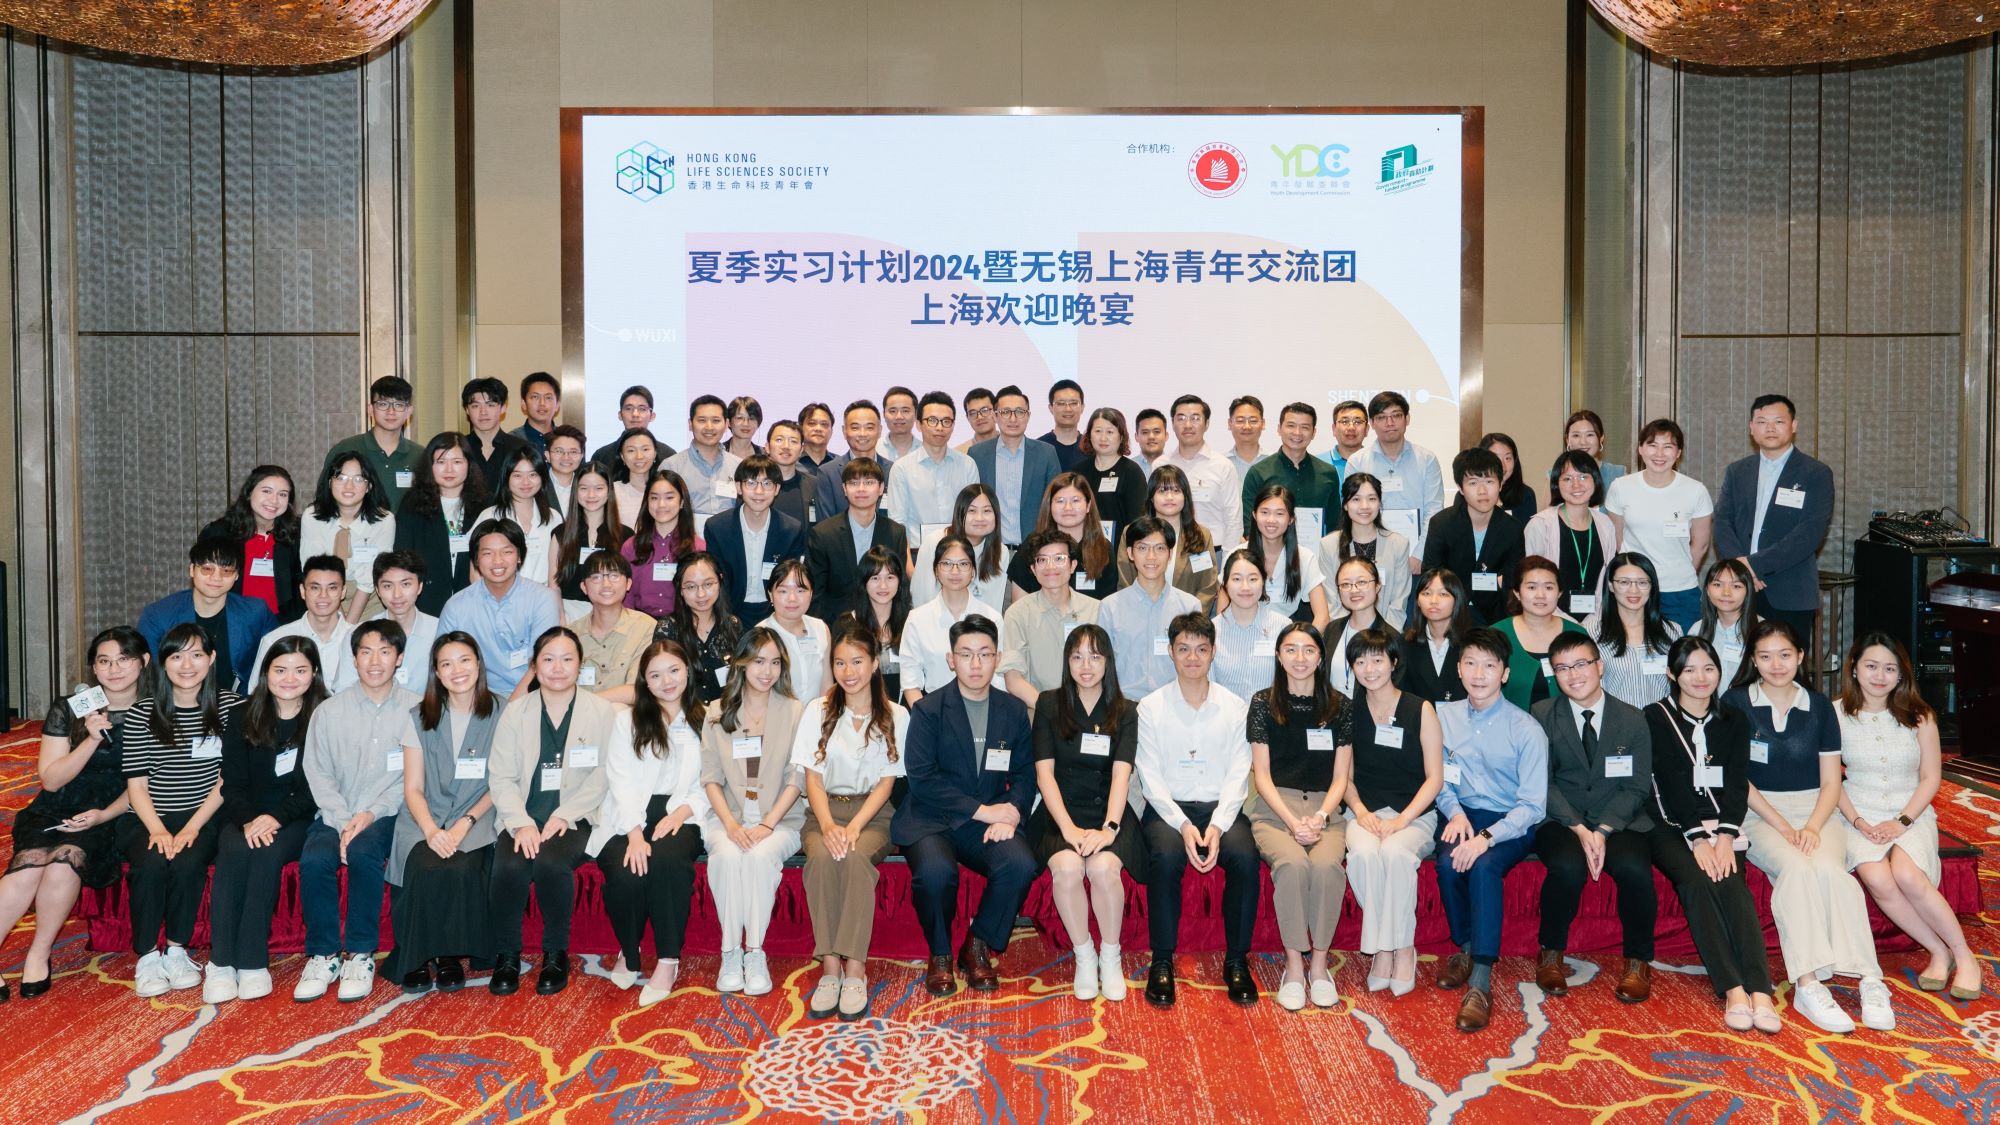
1589, 738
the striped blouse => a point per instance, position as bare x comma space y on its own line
179, 776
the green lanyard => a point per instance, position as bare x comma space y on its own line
1582, 556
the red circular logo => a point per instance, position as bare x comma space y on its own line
1216, 169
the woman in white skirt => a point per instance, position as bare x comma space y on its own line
1794, 790
1889, 743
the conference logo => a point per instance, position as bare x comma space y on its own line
645, 172
1310, 169
1216, 169
1401, 171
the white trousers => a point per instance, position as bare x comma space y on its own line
1821, 912
1383, 875
745, 884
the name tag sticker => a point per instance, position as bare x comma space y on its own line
664, 571
1108, 527
746, 746
1392, 483
406, 478
457, 544
1097, 745
765, 571
1265, 647
469, 769
1160, 645
1203, 493
586, 676
1485, 582
726, 489
393, 760
1791, 498
403, 675
1452, 774
1548, 669
583, 756
286, 761
1760, 751
1191, 763
551, 779
808, 645
1390, 736
999, 758
1618, 765
519, 657
1108, 483
1319, 738
263, 568
1653, 665
207, 747
1201, 563
1582, 605
1708, 777
722, 675
1676, 529
1085, 582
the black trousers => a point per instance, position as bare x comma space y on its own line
1628, 862
1166, 855
161, 891
1008, 865
245, 894
662, 896
1722, 917
552, 874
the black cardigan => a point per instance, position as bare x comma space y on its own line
251, 787
1682, 806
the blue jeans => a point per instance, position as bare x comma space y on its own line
1682, 607
319, 887
1473, 902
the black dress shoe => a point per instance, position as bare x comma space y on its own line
506, 980
1160, 983
555, 973
33, 988
4, 993
450, 974
1242, 985
418, 979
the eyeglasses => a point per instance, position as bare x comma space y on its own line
979, 412
1052, 560
1390, 416
390, 404
1631, 584
708, 587
1065, 403
350, 478
1357, 583
945, 421
1013, 412
758, 484
1576, 478
1190, 420
954, 564
1574, 666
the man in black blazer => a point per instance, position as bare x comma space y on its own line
1475, 538
752, 521
971, 765
836, 543
1774, 511
1600, 775
798, 485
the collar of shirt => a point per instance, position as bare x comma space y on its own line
1774, 465
709, 467
486, 592
1596, 709
863, 532
1000, 450
1801, 701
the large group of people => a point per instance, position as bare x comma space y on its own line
472, 665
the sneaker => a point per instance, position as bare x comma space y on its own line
357, 977
1110, 973
182, 972
319, 973
1085, 986
1815, 1003
218, 984
253, 984
1877, 1011
730, 979
756, 973
150, 978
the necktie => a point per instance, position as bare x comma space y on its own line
1589, 737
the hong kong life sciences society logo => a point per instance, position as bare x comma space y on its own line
645, 172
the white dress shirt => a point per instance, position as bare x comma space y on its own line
855, 761
1190, 755
923, 577
1412, 488
1137, 624
1217, 494
364, 541
923, 492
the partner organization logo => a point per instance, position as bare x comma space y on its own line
1310, 169
1401, 172
1216, 169
645, 172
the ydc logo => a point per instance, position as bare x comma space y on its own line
1304, 161
1216, 169
644, 172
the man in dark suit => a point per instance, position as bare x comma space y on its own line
1774, 512
1600, 774
750, 538
1017, 469
861, 425
798, 482
1475, 538
835, 545
971, 765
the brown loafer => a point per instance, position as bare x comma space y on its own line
938, 979
1456, 970
1637, 983
1474, 1010
1551, 974
976, 959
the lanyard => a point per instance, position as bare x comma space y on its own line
1583, 555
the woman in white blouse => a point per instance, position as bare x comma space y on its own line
1291, 576
927, 631
1365, 537
1666, 516
522, 496
808, 652
643, 839
973, 519
350, 519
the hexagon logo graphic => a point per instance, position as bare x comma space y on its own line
645, 172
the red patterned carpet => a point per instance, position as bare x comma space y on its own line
90, 1050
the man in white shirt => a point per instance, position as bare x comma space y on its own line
899, 414
708, 468
323, 578
399, 579
1217, 486
1246, 429
1194, 763
1137, 616
1149, 434
1412, 480
925, 486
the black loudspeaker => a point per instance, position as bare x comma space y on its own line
6, 654
1892, 593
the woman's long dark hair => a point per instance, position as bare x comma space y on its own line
985, 557
1746, 618
621, 473
430, 712
260, 718
1461, 613
1193, 537
681, 535
1350, 487
682, 619
1326, 702
1068, 708
422, 499
207, 697
373, 507
242, 522
878, 560
573, 534
1611, 625
881, 720
1905, 703
546, 508
131, 643
651, 721
1510, 488
1275, 491
730, 706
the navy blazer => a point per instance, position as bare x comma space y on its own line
1448, 542
947, 782
1039, 469
784, 538
832, 497
248, 620
1788, 564
836, 572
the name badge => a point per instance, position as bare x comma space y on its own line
1791, 497
1097, 745
682, 738
753, 811
583, 553
263, 568
889, 661
1203, 494
1760, 751
1708, 777
1392, 483
722, 675
1548, 669
361, 566
725, 489
393, 760
1107, 527
1319, 738
746, 746
406, 478
457, 544
664, 571
1265, 647
403, 675
586, 676
583, 756
1312, 525
1201, 563
1653, 665
1190, 764
1618, 765
519, 657
207, 747
1582, 605
469, 769
551, 779
1485, 582
808, 645
88, 700
1108, 483
1389, 735
1676, 529
1452, 774
1070, 627
764, 572
1730, 642
1160, 645
999, 758
1085, 582
286, 761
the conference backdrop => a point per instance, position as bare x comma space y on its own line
803, 256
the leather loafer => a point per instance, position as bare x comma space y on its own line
976, 959
938, 978
1551, 973
555, 973
4, 994
418, 979
1456, 970
1242, 985
1160, 983
1633, 988
33, 988
506, 979
450, 974
1474, 1010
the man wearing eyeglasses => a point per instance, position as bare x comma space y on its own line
979, 415
386, 444
927, 481
1412, 479
750, 539
1218, 488
1019, 471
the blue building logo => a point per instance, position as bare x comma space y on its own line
645, 172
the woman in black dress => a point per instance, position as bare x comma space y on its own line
67, 839
1428, 663
1086, 734
435, 517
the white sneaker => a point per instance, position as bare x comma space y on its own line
730, 979
253, 984
182, 972
357, 977
1324, 995
1815, 1003
150, 978
756, 973
1086, 971
319, 972
1292, 995
218, 984
1110, 973
1877, 1011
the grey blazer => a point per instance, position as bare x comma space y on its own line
1579, 790
447, 795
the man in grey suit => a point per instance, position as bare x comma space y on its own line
1018, 470
1600, 773
1774, 511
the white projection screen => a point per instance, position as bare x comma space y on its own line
824, 255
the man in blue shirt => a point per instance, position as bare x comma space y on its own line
503, 611
1017, 468
234, 623
1496, 790
1773, 514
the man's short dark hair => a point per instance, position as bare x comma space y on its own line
976, 623
1386, 400
1192, 400
707, 400
1476, 462
1064, 385
1048, 537
399, 560
1140, 418
507, 529
571, 432
393, 388
937, 398
1305, 408
1350, 404
1762, 401
1492, 642
1567, 640
744, 405
636, 389
541, 377
493, 389
1246, 400
332, 564
604, 562
975, 394
1196, 623
811, 408
898, 390
860, 404
383, 627
1009, 391
758, 465
863, 469
785, 424
1149, 525
216, 550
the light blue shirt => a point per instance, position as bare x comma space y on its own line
1246, 656
864, 534
711, 484
1502, 756
1769, 471
1007, 468
1137, 623
505, 627
1339, 463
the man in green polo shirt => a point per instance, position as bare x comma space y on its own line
386, 445
1314, 484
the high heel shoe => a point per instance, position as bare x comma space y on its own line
33, 988
651, 995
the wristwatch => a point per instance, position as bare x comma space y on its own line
1904, 821
1111, 826
1486, 834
